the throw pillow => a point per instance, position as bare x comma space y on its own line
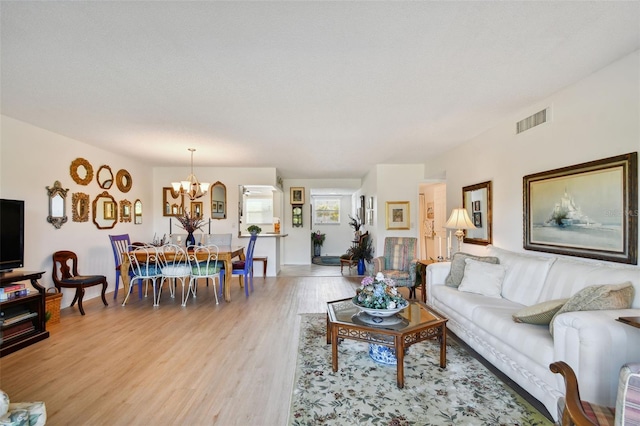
597, 298
456, 272
482, 278
540, 313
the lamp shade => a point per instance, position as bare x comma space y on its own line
459, 219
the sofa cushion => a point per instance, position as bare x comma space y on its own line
525, 277
457, 267
541, 313
598, 297
482, 278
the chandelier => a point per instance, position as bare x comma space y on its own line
191, 187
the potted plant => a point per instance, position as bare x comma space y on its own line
361, 253
190, 224
317, 238
254, 229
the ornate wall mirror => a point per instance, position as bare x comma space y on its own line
123, 180
137, 212
218, 201
80, 207
81, 171
57, 204
105, 211
476, 199
105, 177
172, 202
125, 211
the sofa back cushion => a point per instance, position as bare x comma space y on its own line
525, 276
569, 276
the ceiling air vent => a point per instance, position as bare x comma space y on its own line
531, 121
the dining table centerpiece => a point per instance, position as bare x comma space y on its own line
190, 224
378, 296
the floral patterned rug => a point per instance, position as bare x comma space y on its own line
363, 392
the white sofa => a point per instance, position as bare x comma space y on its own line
593, 343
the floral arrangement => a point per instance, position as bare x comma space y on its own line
190, 224
379, 293
254, 229
317, 238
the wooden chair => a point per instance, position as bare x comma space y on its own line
347, 258
573, 411
66, 275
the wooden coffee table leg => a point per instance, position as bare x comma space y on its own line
334, 349
399, 346
443, 347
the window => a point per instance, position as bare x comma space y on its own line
326, 210
258, 210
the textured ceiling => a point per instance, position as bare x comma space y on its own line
316, 89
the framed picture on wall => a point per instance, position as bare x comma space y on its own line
586, 210
397, 214
297, 195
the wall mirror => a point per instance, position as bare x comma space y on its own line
123, 180
105, 177
218, 201
125, 211
81, 171
172, 202
80, 207
57, 204
476, 199
137, 212
105, 211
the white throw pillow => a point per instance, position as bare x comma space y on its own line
482, 278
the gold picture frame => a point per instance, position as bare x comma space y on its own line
196, 209
297, 195
397, 215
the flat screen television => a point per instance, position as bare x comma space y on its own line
11, 234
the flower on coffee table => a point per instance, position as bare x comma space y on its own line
379, 293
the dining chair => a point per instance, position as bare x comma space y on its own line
243, 268
203, 261
119, 245
175, 267
145, 265
178, 239
220, 240
65, 275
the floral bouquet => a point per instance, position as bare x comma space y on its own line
190, 224
317, 238
379, 293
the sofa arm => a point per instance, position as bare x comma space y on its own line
595, 345
378, 264
435, 275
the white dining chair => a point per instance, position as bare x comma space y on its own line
203, 261
144, 264
175, 267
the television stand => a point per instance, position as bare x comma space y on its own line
22, 318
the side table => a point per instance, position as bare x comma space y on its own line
422, 269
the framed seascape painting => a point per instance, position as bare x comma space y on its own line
586, 210
397, 214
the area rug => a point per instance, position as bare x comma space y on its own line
326, 260
363, 392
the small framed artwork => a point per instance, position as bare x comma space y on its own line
586, 210
397, 213
109, 210
477, 219
370, 217
476, 206
220, 206
297, 195
214, 207
196, 209
370, 203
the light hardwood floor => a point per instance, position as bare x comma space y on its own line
203, 364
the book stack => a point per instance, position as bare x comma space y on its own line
13, 291
16, 321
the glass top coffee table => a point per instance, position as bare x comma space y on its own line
416, 323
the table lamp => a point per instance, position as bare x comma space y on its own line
459, 220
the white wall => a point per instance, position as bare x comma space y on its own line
595, 118
32, 159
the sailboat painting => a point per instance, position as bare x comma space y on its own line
588, 210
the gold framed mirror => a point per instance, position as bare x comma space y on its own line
123, 180
125, 211
476, 199
81, 171
105, 177
172, 202
105, 211
57, 204
137, 212
80, 207
218, 201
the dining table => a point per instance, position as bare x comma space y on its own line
226, 254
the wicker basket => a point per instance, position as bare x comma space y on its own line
52, 305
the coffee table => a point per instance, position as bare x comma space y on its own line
416, 323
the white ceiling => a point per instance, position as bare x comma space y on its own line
316, 89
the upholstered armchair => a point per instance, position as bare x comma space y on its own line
399, 262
